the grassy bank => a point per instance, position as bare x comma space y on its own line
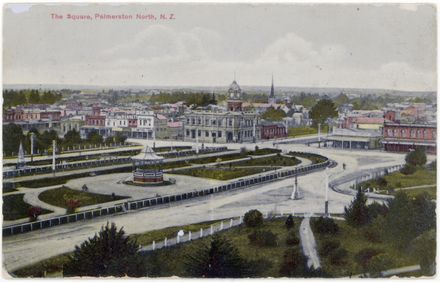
223, 173
353, 240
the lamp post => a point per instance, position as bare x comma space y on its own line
319, 135
32, 146
54, 145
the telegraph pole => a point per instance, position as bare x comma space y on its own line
54, 145
326, 192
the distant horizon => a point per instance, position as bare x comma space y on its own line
94, 86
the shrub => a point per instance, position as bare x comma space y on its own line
293, 263
337, 256
416, 157
292, 239
356, 214
325, 225
382, 182
289, 222
329, 246
378, 263
364, 256
408, 169
263, 238
253, 218
34, 212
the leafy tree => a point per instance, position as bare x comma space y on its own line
273, 115
94, 138
399, 226
108, 253
218, 259
45, 140
323, 110
375, 209
423, 248
341, 99
253, 218
293, 263
424, 213
34, 97
338, 256
72, 138
416, 157
289, 222
12, 136
356, 214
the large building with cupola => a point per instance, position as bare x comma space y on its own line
223, 125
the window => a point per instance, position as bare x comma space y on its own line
419, 134
219, 134
403, 133
187, 132
425, 134
390, 132
230, 122
213, 122
413, 133
199, 133
206, 133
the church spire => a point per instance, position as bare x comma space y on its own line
271, 99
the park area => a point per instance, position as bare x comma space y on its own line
61, 197
240, 168
14, 207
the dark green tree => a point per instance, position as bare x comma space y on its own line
46, 138
323, 110
356, 214
12, 136
253, 218
71, 138
400, 226
273, 115
218, 259
34, 97
416, 157
108, 253
94, 138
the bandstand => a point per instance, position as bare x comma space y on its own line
152, 175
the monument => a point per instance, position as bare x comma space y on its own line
296, 195
21, 163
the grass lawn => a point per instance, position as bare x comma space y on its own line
15, 208
269, 161
432, 191
58, 197
302, 131
396, 180
223, 173
353, 240
172, 259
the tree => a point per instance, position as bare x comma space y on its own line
408, 169
218, 259
273, 115
253, 218
72, 138
379, 263
289, 222
364, 256
356, 214
416, 157
108, 253
34, 97
323, 110
94, 138
423, 248
400, 226
12, 136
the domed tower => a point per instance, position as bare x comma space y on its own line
234, 97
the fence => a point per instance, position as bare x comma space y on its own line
341, 184
96, 163
220, 226
150, 202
